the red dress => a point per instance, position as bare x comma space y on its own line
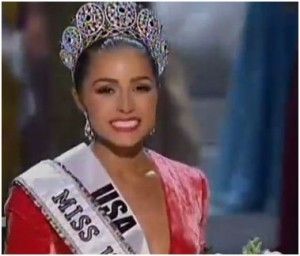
187, 197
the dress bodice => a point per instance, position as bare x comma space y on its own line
187, 199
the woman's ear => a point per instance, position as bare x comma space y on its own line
77, 100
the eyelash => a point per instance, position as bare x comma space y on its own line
143, 88
105, 90
108, 90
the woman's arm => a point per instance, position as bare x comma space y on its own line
28, 229
205, 206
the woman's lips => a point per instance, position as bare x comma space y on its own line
125, 125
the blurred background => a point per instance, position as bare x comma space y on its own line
229, 105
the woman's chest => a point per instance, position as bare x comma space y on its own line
146, 198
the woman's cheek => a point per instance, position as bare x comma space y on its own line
100, 115
149, 111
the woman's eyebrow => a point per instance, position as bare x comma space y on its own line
140, 78
104, 79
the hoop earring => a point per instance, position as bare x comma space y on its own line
152, 131
88, 132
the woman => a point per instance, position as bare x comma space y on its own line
113, 195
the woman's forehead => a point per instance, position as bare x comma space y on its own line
119, 53
121, 61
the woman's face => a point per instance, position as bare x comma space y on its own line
120, 95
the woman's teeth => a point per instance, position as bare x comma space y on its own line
125, 124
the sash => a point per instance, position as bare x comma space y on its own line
83, 204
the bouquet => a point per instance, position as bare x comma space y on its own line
254, 246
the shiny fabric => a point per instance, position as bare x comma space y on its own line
187, 199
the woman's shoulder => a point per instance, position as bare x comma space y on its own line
178, 168
20, 202
19, 199
19, 196
43, 168
186, 181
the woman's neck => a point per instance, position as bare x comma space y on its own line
122, 161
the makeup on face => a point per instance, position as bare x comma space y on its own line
121, 94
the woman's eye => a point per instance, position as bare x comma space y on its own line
105, 90
143, 88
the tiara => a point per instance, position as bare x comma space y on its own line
100, 20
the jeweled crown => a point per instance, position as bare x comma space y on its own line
100, 20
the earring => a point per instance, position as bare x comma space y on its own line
152, 131
88, 132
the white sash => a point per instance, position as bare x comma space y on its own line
75, 192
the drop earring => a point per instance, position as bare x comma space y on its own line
152, 131
88, 132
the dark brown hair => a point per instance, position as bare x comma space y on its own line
107, 44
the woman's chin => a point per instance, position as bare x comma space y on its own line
125, 148
127, 140
126, 143
121, 142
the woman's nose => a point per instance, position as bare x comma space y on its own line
126, 103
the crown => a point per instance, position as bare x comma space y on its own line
100, 20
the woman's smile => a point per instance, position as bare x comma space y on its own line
125, 124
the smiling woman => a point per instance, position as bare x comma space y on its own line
117, 93
112, 195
